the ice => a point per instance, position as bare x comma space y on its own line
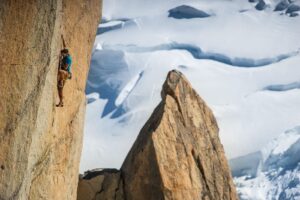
92, 97
289, 138
243, 64
244, 34
110, 26
278, 174
115, 25
246, 165
197, 53
109, 79
127, 89
283, 87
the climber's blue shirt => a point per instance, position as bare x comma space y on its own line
68, 60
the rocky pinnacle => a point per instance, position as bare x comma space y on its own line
177, 154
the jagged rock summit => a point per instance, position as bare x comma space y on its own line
177, 154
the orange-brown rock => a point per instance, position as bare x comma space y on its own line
103, 184
178, 154
40, 145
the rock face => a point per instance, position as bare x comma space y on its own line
101, 185
40, 144
187, 12
282, 5
292, 9
178, 154
261, 5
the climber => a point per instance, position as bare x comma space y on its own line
64, 73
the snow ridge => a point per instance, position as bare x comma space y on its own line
197, 53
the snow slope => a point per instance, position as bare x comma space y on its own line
278, 173
242, 61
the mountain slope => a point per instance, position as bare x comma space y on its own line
242, 61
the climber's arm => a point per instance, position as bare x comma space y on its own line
65, 66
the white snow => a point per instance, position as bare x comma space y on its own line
278, 176
110, 24
127, 89
286, 141
247, 113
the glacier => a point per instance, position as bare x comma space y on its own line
243, 62
275, 174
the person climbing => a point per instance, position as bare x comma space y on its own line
64, 73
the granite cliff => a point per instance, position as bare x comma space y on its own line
40, 145
177, 155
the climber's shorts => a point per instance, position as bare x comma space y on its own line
61, 78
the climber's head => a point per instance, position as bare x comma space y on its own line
64, 52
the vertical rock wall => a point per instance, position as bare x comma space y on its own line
40, 144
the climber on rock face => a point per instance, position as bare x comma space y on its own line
64, 73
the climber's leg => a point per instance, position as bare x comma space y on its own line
60, 87
62, 77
